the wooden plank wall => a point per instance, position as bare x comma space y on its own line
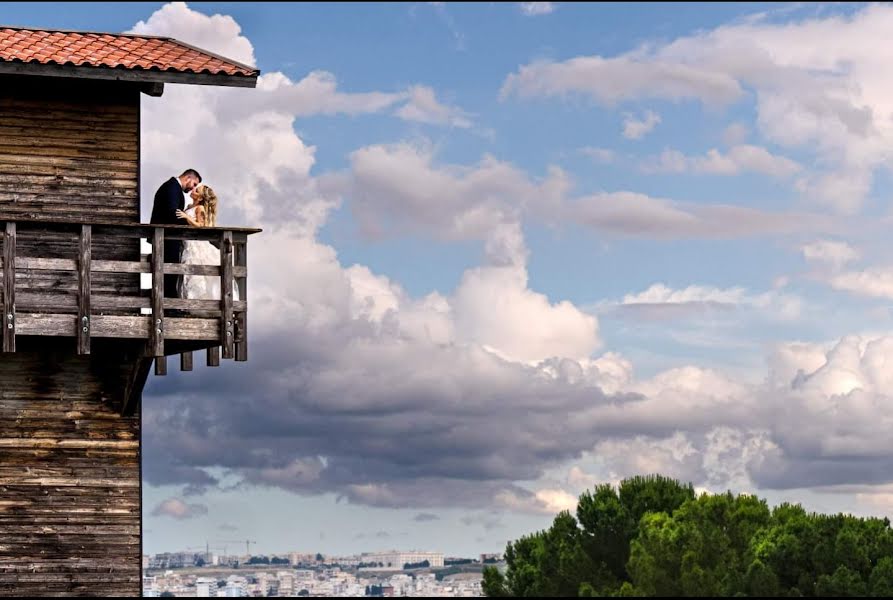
69, 463
69, 150
69, 475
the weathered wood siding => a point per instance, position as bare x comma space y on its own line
69, 474
69, 463
69, 150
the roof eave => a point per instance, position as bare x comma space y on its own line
123, 74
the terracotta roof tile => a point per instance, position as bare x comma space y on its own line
113, 51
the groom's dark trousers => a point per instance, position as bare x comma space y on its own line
168, 200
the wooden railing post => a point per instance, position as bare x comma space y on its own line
241, 333
227, 328
186, 361
156, 326
9, 288
214, 356
84, 286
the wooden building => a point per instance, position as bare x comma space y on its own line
79, 335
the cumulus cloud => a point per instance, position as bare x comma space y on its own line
424, 107
177, 509
874, 282
359, 389
220, 34
544, 501
830, 253
834, 103
640, 215
662, 302
739, 159
402, 185
610, 81
533, 9
636, 129
831, 262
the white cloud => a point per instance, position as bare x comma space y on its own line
423, 107
640, 215
609, 81
316, 94
354, 342
636, 129
874, 282
177, 509
220, 34
834, 103
661, 294
580, 480
533, 9
357, 388
400, 187
599, 155
544, 501
831, 253
830, 260
739, 159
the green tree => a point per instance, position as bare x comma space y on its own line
494, 584
653, 493
844, 583
760, 581
607, 531
880, 584
652, 537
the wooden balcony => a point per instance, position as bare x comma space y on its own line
68, 280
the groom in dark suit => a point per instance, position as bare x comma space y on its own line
168, 200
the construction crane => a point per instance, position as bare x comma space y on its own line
246, 542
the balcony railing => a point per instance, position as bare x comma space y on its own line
48, 288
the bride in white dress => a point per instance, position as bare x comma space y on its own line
201, 213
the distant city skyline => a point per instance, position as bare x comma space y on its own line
512, 251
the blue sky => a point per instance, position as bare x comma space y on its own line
487, 227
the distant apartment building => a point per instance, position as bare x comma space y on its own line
236, 587
150, 588
205, 587
286, 583
395, 561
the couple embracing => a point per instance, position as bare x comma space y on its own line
170, 208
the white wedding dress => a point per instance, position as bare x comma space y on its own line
202, 287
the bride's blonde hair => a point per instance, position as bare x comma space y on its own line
208, 198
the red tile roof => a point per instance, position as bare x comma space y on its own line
113, 50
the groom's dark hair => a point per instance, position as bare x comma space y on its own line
192, 172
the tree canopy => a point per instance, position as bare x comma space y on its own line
653, 536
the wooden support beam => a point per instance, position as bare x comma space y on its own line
84, 287
136, 381
186, 361
241, 318
154, 89
156, 331
161, 365
214, 356
227, 327
9, 288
